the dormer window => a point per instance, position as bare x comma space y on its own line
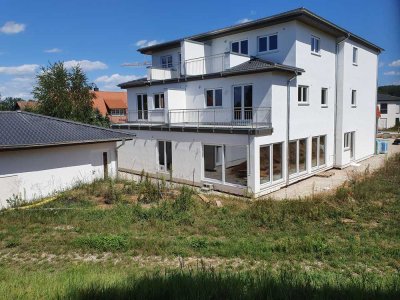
166, 61
315, 48
240, 47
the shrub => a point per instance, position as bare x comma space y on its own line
148, 192
15, 201
184, 201
112, 194
102, 242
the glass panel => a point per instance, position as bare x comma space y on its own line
312, 44
264, 164
237, 102
161, 100
168, 151
169, 59
244, 49
156, 101
314, 150
140, 107
213, 162
248, 102
273, 42
235, 47
299, 93
236, 164
317, 45
218, 97
163, 62
145, 107
305, 94
277, 161
293, 157
161, 160
210, 100
262, 44
321, 150
323, 96
302, 155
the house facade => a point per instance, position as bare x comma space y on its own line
111, 104
389, 109
253, 107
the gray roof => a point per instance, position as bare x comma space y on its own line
385, 98
301, 14
27, 130
254, 65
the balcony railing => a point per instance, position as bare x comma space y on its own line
209, 117
158, 73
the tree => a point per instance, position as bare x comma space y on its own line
9, 103
64, 93
393, 90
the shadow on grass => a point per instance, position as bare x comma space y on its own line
212, 285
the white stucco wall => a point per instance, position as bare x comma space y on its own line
36, 173
393, 112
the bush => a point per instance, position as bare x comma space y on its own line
184, 201
112, 194
102, 242
148, 192
15, 201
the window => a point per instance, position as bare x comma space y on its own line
166, 61
318, 150
241, 47
384, 109
270, 163
348, 136
302, 94
397, 108
142, 106
165, 155
159, 101
268, 43
117, 112
214, 98
324, 97
243, 102
297, 156
355, 56
315, 45
353, 98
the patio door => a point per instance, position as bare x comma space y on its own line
142, 107
243, 102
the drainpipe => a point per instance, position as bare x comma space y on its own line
288, 125
336, 97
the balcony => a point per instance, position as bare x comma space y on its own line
158, 73
227, 119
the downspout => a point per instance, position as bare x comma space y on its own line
288, 124
336, 97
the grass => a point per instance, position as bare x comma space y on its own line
150, 238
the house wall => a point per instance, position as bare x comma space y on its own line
393, 112
43, 171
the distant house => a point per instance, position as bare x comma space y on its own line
112, 104
389, 108
24, 105
40, 155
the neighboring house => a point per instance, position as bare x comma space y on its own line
254, 107
24, 105
40, 155
389, 108
112, 104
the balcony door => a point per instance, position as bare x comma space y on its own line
243, 103
142, 107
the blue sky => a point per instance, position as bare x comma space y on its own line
103, 34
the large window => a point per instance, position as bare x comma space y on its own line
165, 155
268, 43
318, 151
297, 156
324, 97
142, 107
348, 143
227, 164
159, 101
355, 56
315, 45
166, 61
270, 163
243, 102
240, 47
214, 98
302, 94
353, 98
384, 109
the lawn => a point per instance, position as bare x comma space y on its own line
114, 240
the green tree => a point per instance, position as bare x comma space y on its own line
65, 94
393, 90
9, 103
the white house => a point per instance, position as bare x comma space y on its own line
40, 155
389, 108
253, 107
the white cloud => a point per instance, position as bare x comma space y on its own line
53, 50
395, 63
20, 87
19, 70
12, 28
146, 43
110, 82
86, 65
392, 73
245, 20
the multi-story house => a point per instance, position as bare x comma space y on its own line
111, 104
389, 110
253, 107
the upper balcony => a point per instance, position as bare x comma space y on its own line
197, 66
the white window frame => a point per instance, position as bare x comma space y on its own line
353, 100
318, 137
240, 46
168, 64
159, 102
267, 36
271, 164
355, 56
298, 172
213, 92
348, 140
300, 96
163, 168
324, 92
313, 45
398, 109
117, 112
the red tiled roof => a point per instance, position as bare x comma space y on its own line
110, 100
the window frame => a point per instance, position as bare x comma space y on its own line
348, 140
271, 164
381, 109
167, 65
166, 167
159, 102
297, 163
353, 100
300, 95
240, 47
268, 49
121, 112
214, 98
318, 158
355, 56
312, 45
324, 94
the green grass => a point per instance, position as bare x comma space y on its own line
345, 243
